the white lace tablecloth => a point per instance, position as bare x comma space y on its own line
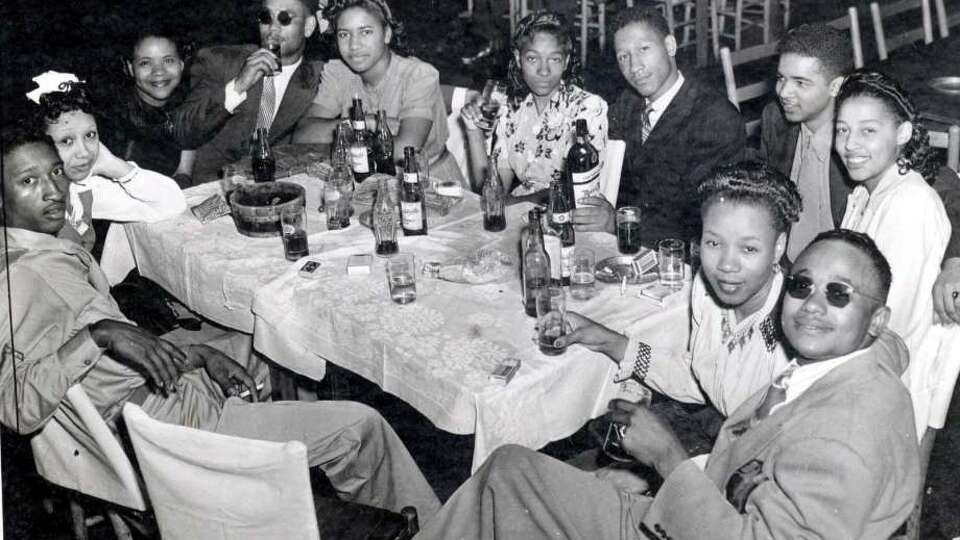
437, 352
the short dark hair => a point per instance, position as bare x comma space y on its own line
643, 13
864, 244
554, 24
72, 97
379, 9
827, 44
18, 134
757, 183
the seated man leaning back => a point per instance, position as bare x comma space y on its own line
68, 330
827, 451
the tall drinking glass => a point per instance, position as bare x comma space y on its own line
670, 262
551, 319
628, 230
401, 278
494, 96
293, 223
582, 286
338, 199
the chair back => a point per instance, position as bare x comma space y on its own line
456, 139
950, 140
945, 21
610, 172
77, 450
208, 485
754, 90
896, 10
851, 22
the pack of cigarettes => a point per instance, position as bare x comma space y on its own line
211, 208
359, 264
504, 371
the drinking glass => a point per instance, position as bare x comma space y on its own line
670, 262
494, 96
582, 279
293, 226
338, 199
613, 442
401, 278
273, 45
318, 171
551, 319
628, 230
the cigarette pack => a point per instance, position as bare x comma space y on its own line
359, 264
309, 269
505, 370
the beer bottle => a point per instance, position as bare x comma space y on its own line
583, 164
413, 212
561, 224
536, 264
383, 146
361, 156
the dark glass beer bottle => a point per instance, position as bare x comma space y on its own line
560, 221
261, 157
413, 211
583, 165
383, 146
361, 157
536, 264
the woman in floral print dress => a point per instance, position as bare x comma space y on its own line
536, 128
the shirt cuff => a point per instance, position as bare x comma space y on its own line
79, 354
130, 175
231, 98
636, 361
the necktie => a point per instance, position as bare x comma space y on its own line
268, 100
645, 125
776, 394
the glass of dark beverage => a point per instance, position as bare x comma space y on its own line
293, 229
628, 230
261, 157
494, 96
551, 319
273, 45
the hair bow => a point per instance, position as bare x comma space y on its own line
52, 81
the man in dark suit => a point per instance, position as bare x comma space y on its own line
828, 451
227, 92
676, 129
797, 140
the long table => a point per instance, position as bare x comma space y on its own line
435, 353
916, 65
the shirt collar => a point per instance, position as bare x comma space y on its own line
805, 376
660, 104
35, 241
820, 141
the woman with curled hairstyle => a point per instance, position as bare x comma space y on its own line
374, 66
885, 151
732, 345
102, 186
536, 128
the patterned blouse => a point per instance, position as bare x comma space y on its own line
534, 145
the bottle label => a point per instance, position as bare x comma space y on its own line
411, 214
561, 217
358, 159
553, 248
359, 124
586, 184
566, 261
411, 178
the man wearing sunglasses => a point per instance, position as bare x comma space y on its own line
828, 451
235, 89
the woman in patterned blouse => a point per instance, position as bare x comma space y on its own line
536, 128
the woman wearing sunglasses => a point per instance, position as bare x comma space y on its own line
373, 66
886, 153
734, 346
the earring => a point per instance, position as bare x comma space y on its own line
776, 267
903, 165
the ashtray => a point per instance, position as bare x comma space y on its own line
613, 270
946, 85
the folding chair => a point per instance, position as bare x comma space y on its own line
950, 140
741, 94
945, 21
612, 167
851, 22
896, 10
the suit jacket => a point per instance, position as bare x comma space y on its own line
778, 144
839, 461
699, 130
221, 137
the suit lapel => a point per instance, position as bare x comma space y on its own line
673, 117
296, 99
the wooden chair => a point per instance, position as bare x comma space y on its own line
945, 21
851, 22
745, 13
896, 10
209, 485
950, 140
612, 167
741, 94
115, 482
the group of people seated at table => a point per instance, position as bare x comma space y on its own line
816, 316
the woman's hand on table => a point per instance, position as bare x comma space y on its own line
594, 214
593, 336
224, 371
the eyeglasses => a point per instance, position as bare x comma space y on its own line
837, 294
284, 18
